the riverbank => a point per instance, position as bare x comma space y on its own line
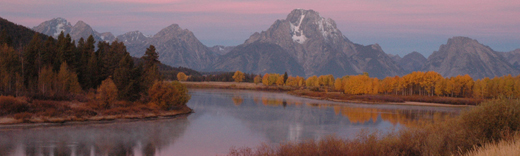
36, 121
236, 85
339, 97
387, 99
96, 121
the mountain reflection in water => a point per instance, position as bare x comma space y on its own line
222, 119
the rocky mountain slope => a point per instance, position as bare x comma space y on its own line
411, 62
258, 57
396, 57
180, 47
316, 45
221, 50
80, 30
136, 43
462, 55
513, 57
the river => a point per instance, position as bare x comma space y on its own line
222, 119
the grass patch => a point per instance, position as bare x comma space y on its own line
505, 147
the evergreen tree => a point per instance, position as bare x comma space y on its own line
32, 61
92, 75
60, 50
123, 76
5, 39
84, 74
48, 56
285, 76
103, 61
150, 71
9, 67
150, 58
78, 54
68, 48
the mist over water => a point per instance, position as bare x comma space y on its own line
222, 119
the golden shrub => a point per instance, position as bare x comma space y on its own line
106, 93
169, 95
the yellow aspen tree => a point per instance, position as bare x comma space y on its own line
467, 85
516, 88
509, 84
265, 79
279, 80
485, 87
312, 81
273, 78
376, 86
181, 76
477, 89
301, 81
257, 79
440, 87
338, 85
238, 76
291, 81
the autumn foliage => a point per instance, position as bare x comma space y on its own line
168, 95
106, 94
238, 76
414, 84
181, 76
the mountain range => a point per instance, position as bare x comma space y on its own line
303, 44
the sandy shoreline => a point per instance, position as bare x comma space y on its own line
412, 103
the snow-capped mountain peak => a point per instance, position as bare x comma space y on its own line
297, 33
54, 27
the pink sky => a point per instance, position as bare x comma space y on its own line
394, 24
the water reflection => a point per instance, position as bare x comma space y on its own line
222, 119
131, 138
358, 114
281, 117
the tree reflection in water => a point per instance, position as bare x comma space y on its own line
129, 138
361, 115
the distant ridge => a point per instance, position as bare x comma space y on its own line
463, 55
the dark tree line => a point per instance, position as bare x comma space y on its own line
54, 67
15, 35
221, 77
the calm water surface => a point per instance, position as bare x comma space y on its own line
222, 119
